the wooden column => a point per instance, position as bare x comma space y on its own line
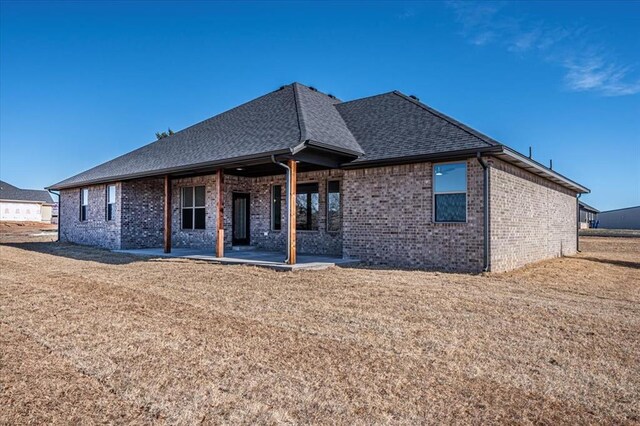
220, 213
291, 220
167, 214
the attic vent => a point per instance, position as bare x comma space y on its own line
282, 87
331, 96
414, 97
313, 88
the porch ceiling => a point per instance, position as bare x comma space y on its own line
251, 170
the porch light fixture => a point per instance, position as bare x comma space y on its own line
239, 169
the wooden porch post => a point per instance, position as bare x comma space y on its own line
167, 214
291, 221
220, 215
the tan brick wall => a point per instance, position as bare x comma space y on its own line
388, 219
531, 218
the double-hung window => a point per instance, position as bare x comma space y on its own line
307, 206
84, 203
276, 207
334, 219
111, 202
450, 192
193, 207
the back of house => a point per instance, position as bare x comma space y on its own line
384, 179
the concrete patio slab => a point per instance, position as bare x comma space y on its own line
266, 259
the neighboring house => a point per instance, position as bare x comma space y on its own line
627, 218
384, 179
588, 216
22, 205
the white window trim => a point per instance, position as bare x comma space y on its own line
434, 193
193, 208
115, 198
82, 204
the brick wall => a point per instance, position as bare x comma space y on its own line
200, 238
387, 216
388, 219
261, 234
142, 217
310, 242
531, 218
96, 230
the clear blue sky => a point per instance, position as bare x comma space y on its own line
81, 83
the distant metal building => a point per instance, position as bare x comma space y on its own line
628, 218
588, 216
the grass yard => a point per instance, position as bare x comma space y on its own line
87, 336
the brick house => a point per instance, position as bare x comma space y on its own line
384, 179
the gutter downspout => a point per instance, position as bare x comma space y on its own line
59, 210
578, 222
288, 191
485, 195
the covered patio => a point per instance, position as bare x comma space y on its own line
241, 219
266, 259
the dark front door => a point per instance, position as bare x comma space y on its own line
240, 219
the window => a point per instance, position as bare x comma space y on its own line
111, 202
307, 206
276, 207
193, 213
334, 221
84, 203
450, 192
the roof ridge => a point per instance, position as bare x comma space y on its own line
316, 90
306, 120
366, 97
486, 139
301, 124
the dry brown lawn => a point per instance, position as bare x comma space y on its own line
87, 336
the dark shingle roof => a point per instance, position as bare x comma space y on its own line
321, 122
383, 128
393, 125
278, 121
10, 192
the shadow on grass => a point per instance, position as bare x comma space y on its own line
78, 252
623, 263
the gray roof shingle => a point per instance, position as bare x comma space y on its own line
10, 192
321, 122
268, 123
278, 121
393, 125
387, 126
